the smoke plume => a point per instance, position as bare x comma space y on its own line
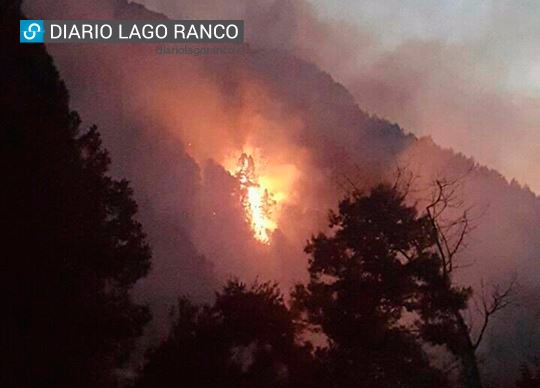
176, 125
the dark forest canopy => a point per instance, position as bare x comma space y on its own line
381, 262
71, 246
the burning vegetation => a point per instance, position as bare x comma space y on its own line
256, 200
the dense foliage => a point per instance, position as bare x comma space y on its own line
71, 246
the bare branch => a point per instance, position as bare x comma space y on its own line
497, 301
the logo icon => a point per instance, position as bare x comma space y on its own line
32, 31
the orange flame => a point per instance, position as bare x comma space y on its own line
256, 200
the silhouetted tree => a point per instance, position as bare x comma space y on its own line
71, 249
247, 338
363, 278
442, 303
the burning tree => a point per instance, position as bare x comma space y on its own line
256, 200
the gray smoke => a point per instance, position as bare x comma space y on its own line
171, 122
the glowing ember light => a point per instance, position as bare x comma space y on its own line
256, 200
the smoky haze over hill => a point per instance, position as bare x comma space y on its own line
171, 123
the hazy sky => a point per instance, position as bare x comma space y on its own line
493, 45
507, 32
465, 72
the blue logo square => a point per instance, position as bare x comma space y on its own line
32, 31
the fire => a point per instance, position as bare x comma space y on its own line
257, 201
